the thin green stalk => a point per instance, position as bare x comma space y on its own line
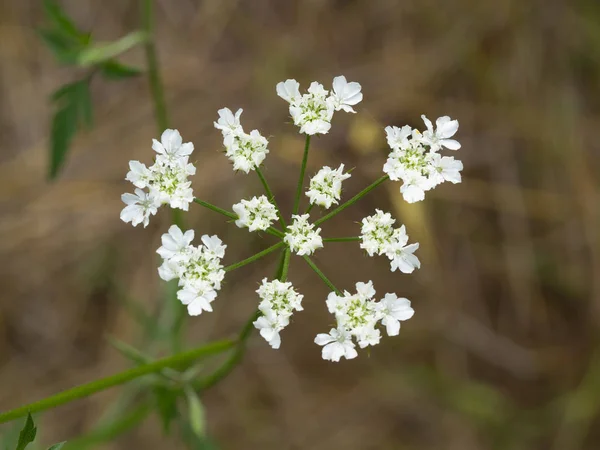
314, 267
271, 196
301, 180
270, 230
310, 207
253, 258
85, 390
353, 200
342, 239
286, 264
156, 87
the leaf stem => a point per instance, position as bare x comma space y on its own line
253, 258
286, 264
353, 200
85, 390
314, 267
271, 196
154, 78
342, 239
301, 180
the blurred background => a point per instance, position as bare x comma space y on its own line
502, 352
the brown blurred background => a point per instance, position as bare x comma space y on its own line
502, 352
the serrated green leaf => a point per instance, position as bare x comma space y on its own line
196, 413
64, 127
101, 53
60, 19
166, 402
113, 70
57, 446
27, 434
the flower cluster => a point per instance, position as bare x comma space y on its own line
166, 180
357, 316
245, 151
301, 236
278, 301
415, 160
258, 213
198, 269
313, 111
326, 186
379, 237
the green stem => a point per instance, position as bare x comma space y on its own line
310, 207
301, 180
270, 230
285, 265
353, 200
271, 196
314, 267
88, 389
342, 239
156, 87
254, 257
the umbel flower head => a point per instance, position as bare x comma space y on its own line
198, 269
379, 237
166, 180
326, 186
301, 237
313, 111
415, 161
357, 316
278, 300
245, 151
258, 213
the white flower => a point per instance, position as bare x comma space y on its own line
336, 344
397, 138
197, 297
140, 206
301, 236
400, 254
415, 161
171, 146
258, 213
326, 186
346, 94
214, 245
445, 129
199, 268
288, 90
245, 151
368, 335
445, 168
229, 123
139, 175
377, 232
270, 324
175, 242
393, 310
313, 111
278, 301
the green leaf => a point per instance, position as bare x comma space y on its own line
113, 70
128, 351
84, 103
166, 402
64, 127
60, 19
196, 413
64, 49
103, 52
57, 446
27, 434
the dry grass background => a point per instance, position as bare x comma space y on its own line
502, 352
